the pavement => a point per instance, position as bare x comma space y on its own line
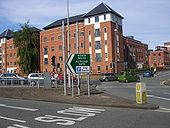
96, 98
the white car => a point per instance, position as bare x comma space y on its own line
38, 78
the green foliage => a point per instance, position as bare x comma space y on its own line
26, 41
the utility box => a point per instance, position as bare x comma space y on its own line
47, 80
141, 93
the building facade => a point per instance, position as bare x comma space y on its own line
135, 53
159, 58
98, 31
8, 52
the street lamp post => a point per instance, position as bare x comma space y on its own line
116, 41
68, 41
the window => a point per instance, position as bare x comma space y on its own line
89, 44
15, 63
89, 33
97, 32
14, 54
98, 57
106, 55
10, 54
105, 42
97, 45
10, 63
60, 58
52, 38
82, 34
104, 17
52, 48
105, 30
60, 47
96, 18
88, 20
98, 68
45, 39
45, 60
10, 46
60, 37
107, 68
82, 45
45, 51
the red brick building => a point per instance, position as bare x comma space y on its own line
135, 53
96, 36
159, 58
8, 52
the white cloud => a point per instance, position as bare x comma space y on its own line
147, 20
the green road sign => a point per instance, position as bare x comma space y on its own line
79, 63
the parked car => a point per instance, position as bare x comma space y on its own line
108, 77
128, 77
35, 78
60, 78
148, 73
12, 78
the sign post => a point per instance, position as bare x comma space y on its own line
78, 64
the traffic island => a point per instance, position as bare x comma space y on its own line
97, 98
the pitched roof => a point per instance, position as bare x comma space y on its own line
72, 19
35, 29
7, 34
100, 9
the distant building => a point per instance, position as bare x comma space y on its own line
96, 36
167, 44
8, 52
135, 53
159, 58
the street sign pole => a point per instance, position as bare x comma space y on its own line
78, 75
64, 58
88, 84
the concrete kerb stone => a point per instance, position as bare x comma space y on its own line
97, 98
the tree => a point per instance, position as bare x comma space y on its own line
26, 41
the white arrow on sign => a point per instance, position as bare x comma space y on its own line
69, 63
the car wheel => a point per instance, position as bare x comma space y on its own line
106, 79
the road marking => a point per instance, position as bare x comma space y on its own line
167, 93
17, 126
158, 97
166, 110
80, 113
16, 120
15, 107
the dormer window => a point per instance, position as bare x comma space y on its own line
88, 20
104, 17
96, 18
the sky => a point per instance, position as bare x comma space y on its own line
147, 20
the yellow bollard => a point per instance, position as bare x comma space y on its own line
141, 93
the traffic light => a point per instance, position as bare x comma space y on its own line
58, 65
53, 61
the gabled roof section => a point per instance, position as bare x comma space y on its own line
7, 34
35, 29
100, 9
72, 19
